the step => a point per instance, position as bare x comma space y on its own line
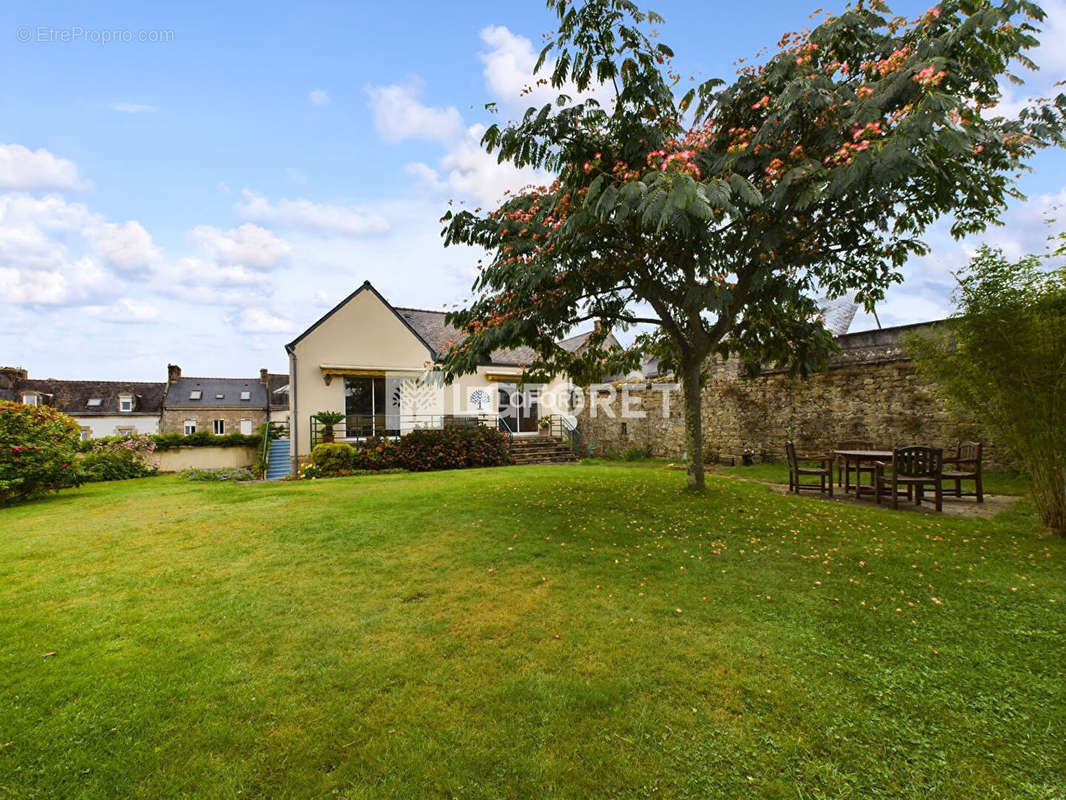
278, 460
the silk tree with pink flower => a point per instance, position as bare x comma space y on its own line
717, 212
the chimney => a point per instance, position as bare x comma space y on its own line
263, 373
173, 373
15, 373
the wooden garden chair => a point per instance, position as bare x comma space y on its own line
913, 468
965, 466
795, 471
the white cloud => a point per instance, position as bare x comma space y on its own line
509, 64
128, 247
258, 320
125, 309
23, 169
247, 246
318, 97
133, 108
399, 115
322, 217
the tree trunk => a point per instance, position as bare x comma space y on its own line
690, 384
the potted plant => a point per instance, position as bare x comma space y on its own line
327, 419
544, 426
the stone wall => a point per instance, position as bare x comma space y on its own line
870, 391
173, 420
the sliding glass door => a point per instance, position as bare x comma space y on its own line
519, 408
365, 408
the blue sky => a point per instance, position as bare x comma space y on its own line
203, 196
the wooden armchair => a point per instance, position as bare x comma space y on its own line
913, 468
844, 467
824, 472
965, 466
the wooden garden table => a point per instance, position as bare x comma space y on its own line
857, 457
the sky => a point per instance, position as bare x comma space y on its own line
198, 182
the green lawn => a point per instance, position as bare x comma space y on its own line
540, 632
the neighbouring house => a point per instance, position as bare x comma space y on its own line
222, 405
101, 408
374, 363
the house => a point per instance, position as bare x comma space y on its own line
374, 363
222, 405
101, 408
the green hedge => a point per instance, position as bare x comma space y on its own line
171, 441
453, 447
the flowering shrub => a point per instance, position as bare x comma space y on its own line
453, 447
37, 450
217, 474
120, 458
331, 458
376, 453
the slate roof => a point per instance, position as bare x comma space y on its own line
430, 325
72, 397
178, 393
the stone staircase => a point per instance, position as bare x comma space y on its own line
278, 460
541, 450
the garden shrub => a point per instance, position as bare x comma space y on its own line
38, 446
453, 447
376, 453
217, 474
332, 457
119, 458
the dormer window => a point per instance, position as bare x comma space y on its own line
246, 395
125, 403
195, 394
29, 398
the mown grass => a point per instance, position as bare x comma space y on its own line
585, 631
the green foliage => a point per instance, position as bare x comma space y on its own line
817, 172
217, 474
38, 447
333, 457
376, 453
119, 458
1002, 359
453, 447
171, 441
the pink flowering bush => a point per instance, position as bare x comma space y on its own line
120, 459
37, 451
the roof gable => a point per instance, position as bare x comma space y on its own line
366, 287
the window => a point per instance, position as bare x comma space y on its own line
29, 398
218, 426
86, 434
125, 431
95, 402
246, 427
190, 427
625, 428
195, 394
125, 403
220, 396
246, 395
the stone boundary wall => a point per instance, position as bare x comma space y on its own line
870, 391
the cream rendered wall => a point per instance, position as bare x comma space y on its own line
108, 425
362, 334
179, 458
